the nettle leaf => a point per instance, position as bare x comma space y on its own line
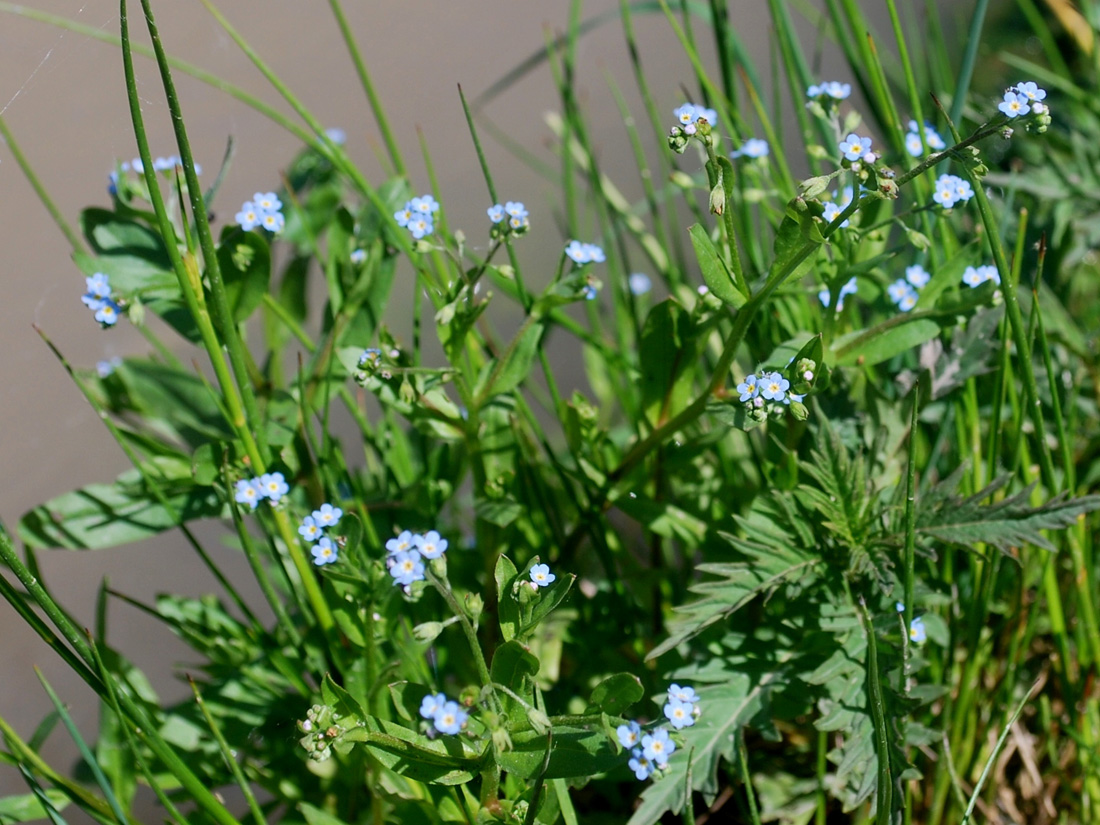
773, 556
970, 354
727, 708
1005, 524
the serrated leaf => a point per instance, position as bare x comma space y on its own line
1005, 524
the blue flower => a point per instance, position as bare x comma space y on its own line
916, 631
1031, 91
849, 288
430, 545
908, 301
657, 747
931, 137
327, 516
107, 314
425, 205
629, 734
324, 552
774, 386
975, 277
248, 492
432, 704
406, 567
450, 718
541, 575
496, 213
683, 693
752, 148
680, 714
273, 222
420, 225
590, 292
583, 253
336, 135
358, 256
404, 214
899, 607
99, 291
310, 530
832, 89
404, 542
689, 113
371, 357
515, 209
830, 212
249, 217
106, 368
1015, 105
642, 766
273, 486
855, 147
748, 388
950, 189
267, 202
638, 283
899, 289
917, 275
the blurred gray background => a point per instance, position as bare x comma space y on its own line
62, 95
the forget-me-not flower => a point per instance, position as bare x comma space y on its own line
831, 89
752, 148
629, 734
642, 766
855, 147
976, 276
849, 288
248, 492
496, 213
748, 388
405, 541
431, 705
430, 545
583, 253
309, 529
639, 283
99, 291
105, 368
679, 714
1014, 104
917, 275
541, 575
683, 693
327, 516
917, 632
273, 486
913, 142
450, 718
324, 552
658, 747
107, 314
407, 567
773, 386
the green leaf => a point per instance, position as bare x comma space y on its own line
28, 808
872, 346
792, 255
244, 260
132, 254
1005, 524
716, 274
667, 349
577, 751
107, 515
615, 694
505, 575
507, 372
513, 666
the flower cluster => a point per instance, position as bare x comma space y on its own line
263, 210
98, 299
511, 218
752, 148
829, 91
769, 386
446, 715
321, 727
951, 189
271, 486
692, 121
976, 276
913, 143
418, 215
1025, 99
405, 555
849, 288
160, 164
904, 292
584, 253
312, 529
681, 709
